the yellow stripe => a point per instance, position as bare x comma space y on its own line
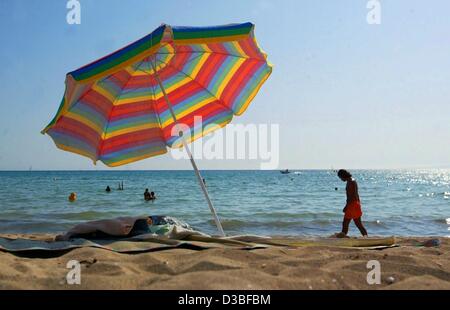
130, 70
200, 64
209, 129
228, 77
147, 72
133, 159
103, 92
116, 133
239, 49
188, 111
85, 121
120, 101
169, 48
206, 48
143, 73
76, 151
174, 87
253, 93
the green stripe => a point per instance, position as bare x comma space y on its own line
209, 33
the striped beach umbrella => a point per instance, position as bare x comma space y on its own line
146, 97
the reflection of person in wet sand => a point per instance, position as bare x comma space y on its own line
352, 210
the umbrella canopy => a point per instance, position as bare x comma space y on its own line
114, 109
149, 95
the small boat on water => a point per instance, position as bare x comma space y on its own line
285, 171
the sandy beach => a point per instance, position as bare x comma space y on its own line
309, 267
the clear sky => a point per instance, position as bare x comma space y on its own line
345, 93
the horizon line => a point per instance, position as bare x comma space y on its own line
281, 169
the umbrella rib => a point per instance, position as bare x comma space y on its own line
212, 52
206, 52
154, 109
190, 60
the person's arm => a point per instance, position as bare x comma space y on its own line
346, 203
352, 193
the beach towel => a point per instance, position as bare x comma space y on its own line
133, 234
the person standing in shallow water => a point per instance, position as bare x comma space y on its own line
147, 195
352, 210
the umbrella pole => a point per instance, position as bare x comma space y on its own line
191, 158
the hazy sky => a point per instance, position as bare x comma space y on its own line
344, 93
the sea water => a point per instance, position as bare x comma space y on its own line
302, 203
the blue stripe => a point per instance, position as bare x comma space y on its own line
71, 141
218, 77
131, 121
249, 87
89, 113
210, 28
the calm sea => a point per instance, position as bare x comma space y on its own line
306, 203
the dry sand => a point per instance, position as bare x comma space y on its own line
310, 267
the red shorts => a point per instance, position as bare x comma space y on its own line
353, 210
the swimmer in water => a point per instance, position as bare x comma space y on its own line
72, 197
152, 196
147, 195
107, 189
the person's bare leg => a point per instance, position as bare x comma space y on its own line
360, 226
345, 224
